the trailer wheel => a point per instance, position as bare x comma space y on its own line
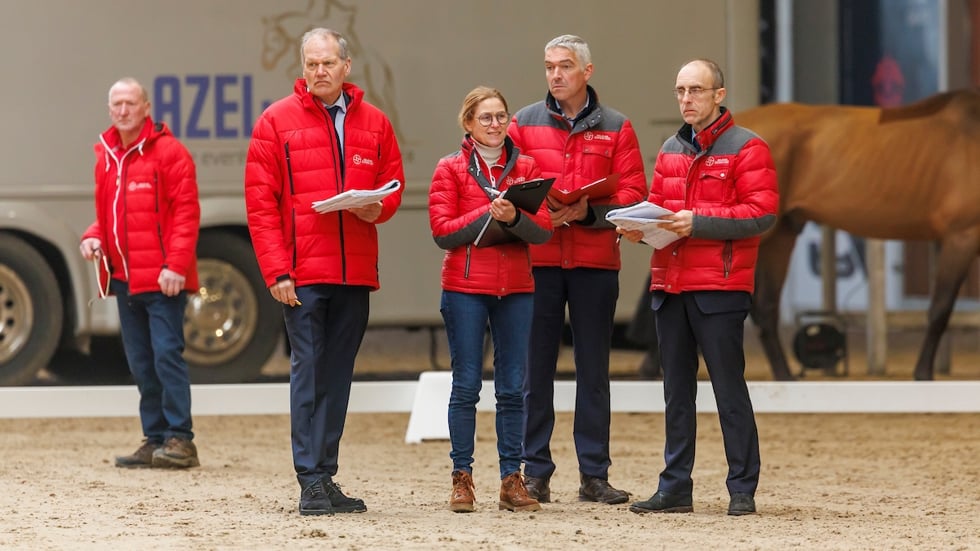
232, 326
31, 312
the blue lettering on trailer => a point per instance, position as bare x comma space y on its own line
182, 101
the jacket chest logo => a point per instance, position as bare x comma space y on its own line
358, 160
720, 161
589, 136
139, 186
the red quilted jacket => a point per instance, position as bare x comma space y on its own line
458, 208
293, 161
151, 220
730, 186
600, 144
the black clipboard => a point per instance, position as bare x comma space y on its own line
526, 196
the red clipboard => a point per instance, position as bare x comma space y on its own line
603, 187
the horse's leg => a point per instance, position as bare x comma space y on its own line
956, 252
770, 274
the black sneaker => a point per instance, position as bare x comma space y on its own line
741, 504
314, 501
662, 502
340, 502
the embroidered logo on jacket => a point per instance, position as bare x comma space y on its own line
362, 160
589, 136
712, 161
140, 186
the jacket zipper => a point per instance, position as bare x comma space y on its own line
727, 257
292, 192
156, 208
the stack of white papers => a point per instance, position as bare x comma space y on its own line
645, 217
356, 198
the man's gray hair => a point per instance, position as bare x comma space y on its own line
325, 34
575, 44
130, 81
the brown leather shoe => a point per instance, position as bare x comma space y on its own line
176, 453
463, 498
598, 489
513, 494
538, 488
142, 458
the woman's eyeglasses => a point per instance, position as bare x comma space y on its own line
487, 119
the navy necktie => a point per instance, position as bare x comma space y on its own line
340, 145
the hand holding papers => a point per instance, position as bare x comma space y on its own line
356, 198
603, 187
644, 217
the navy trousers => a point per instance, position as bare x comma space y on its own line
325, 333
591, 296
713, 321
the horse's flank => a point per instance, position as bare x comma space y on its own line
905, 173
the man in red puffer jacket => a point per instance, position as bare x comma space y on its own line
320, 141
576, 140
145, 239
720, 181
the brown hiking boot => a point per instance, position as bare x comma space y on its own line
142, 458
176, 453
463, 498
513, 494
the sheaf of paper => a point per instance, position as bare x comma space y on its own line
356, 198
644, 217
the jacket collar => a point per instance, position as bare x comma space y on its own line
709, 135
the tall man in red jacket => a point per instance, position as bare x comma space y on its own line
577, 140
720, 181
316, 143
145, 239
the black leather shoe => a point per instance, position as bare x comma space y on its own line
662, 502
741, 504
538, 488
314, 501
598, 489
340, 502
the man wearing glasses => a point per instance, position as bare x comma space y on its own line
576, 140
144, 242
720, 181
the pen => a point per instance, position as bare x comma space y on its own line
297, 303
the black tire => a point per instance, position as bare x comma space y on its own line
232, 327
31, 314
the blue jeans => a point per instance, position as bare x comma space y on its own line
466, 316
152, 327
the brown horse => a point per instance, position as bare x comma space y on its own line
908, 173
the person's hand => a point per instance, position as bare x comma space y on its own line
682, 222
563, 215
633, 236
368, 213
170, 282
285, 292
503, 210
90, 247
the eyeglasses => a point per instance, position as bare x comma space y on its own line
487, 119
694, 91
